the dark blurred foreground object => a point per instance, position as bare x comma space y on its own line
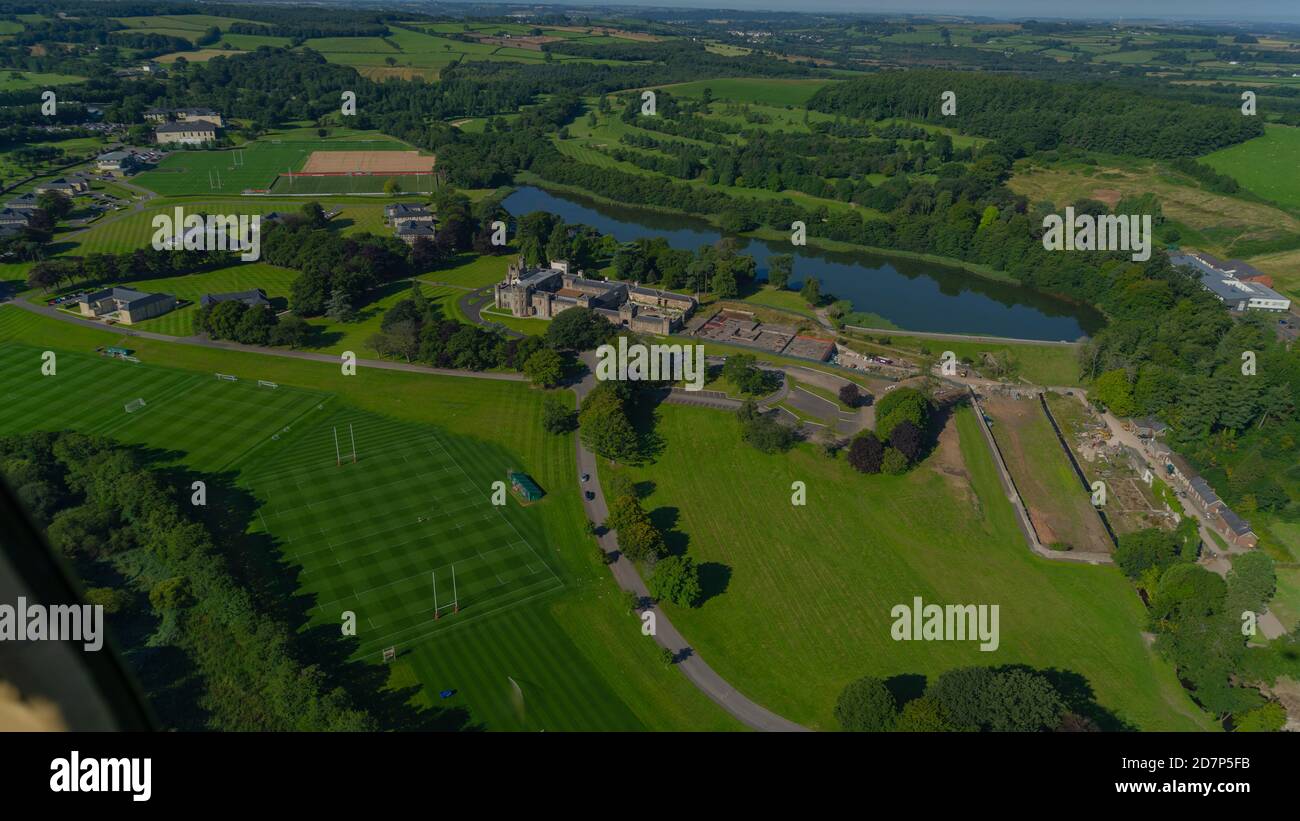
55, 685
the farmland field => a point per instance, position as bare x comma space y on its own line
811, 587
1268, 166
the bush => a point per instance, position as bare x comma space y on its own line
866, 453
894, 462
850, 395
676, 579
866, 706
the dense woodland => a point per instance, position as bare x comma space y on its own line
209, 656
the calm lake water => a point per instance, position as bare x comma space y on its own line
915, 295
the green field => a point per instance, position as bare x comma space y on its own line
576, 653
370, 184
1268, 166
191, 287
19, 80
255, 165
811, 588
764, 92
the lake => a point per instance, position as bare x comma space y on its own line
912, 294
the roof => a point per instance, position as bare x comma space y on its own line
525, 484
402, 209
179, 128
422, 229
114, 155
256, 296
1202, 488
1152, 423
1234, 522
130, 296
655, 292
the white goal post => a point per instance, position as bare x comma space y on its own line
263, 383
228, 377
133, 406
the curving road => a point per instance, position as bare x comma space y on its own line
749, 713
752, 715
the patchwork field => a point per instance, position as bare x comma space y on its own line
1059, 507
811, 588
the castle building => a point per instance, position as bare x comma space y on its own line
542, 293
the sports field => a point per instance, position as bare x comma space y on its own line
576, 654
399, 535
294, 185
255, 165
213, 423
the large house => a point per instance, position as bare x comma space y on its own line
191, 133
1237, 284
402, 212
69, 186
116, 162
125, 305
14, 217
23, 202
250, 298
409, 231
545, 292
184, 115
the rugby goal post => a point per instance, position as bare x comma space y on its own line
133, 406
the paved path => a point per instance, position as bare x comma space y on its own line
471, 305
959, 337
752, 715
204, 342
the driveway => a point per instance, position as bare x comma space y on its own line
752, 715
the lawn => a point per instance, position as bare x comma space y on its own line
799, 597
245, 277
577, 654
1268, 166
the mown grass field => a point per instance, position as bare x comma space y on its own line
1059, 507
577, 655
120, 231
253, 165
764, 91
191, 287
1268, 166
810, 588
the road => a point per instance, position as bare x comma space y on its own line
625, 573
203, 342
749, 713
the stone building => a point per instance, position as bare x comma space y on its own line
542, 293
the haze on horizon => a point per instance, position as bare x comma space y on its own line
1280, 11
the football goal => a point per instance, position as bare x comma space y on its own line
262, 383
134, 405
228, 377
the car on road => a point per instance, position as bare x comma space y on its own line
590, 496
586, 477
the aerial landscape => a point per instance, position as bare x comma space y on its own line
683, 369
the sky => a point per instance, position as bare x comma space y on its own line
1220, 10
